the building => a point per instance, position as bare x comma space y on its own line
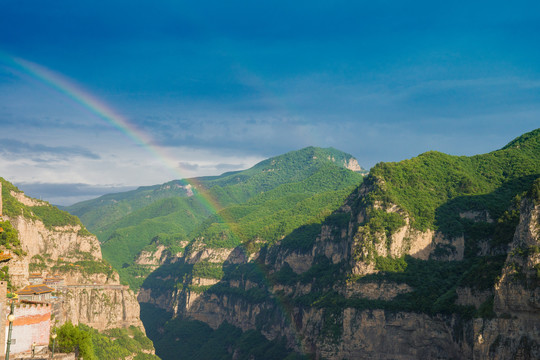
35, 293
4, 256
54, 281
32, 325
35, 279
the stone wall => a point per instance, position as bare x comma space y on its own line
3, 312
32, 324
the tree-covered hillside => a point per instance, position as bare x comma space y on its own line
432, 184
41, 210
263, 203
349, 260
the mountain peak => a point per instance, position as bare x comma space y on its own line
317, 154
530, 140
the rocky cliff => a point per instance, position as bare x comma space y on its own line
514, 332
349, 325
101, 307
91, 292
435, 257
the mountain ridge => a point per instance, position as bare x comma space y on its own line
173, 210
433, 256
81, 209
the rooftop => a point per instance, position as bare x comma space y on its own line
35, 290
4, 256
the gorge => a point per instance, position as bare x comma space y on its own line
435, 256
305, 255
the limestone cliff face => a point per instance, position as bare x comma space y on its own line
153, 258
176, 300
59, 242
515, 332
92, 293
166, 299
101, 307
405, 240
354, 333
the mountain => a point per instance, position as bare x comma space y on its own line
435, 257
50, 243
141, 229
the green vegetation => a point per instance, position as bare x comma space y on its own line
174, 217
196, 340
74, 339
534, 192
208, 270
88, 267
277, 213
475, 197
90, 344
302, 238
50, 215
433, 187
4, 276
9, 237
134, 275
255, 207
391, 265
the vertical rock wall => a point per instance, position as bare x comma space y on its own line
94, 298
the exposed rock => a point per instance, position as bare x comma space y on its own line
76, 277
25, 200
214, 310
199, 253
467, 296
60, 242
353, 165
478, 216
152, 258
350, 333
376, 291
101, 307
511, 338
203, 281
166, 300
516, 333
376, 334
298, 262
518, 289
92, 297
18, 271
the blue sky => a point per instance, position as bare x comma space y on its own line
218, 86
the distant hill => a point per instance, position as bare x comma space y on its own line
266, 202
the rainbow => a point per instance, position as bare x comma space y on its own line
103, 111
106, 113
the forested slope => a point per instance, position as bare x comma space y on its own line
264, 202
433, 257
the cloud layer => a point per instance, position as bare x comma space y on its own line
218, 86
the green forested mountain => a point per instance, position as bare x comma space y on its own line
429, 186
100, 212
266, 202
425, 251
